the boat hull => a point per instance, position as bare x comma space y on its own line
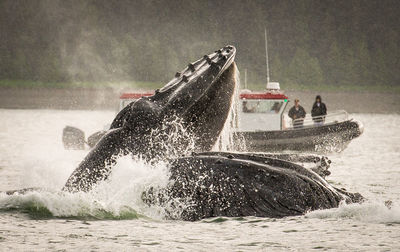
333, 137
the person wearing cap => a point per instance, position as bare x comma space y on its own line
297, 113
318, 111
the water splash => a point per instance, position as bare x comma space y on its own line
120, 197
228, 141
172, 131
370, 212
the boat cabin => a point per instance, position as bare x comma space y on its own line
262, 111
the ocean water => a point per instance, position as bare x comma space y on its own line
113, 217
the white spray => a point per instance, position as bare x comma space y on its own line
227, 140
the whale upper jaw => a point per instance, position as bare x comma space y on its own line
195, 81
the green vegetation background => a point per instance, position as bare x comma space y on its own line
323, 45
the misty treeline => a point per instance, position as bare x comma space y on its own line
332, 42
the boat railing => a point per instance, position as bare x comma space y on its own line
335, 117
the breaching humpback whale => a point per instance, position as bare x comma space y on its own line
194, 106
197, 101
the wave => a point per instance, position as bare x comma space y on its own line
117, 198
41, 205
371, 212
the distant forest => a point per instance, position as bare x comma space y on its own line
331, 42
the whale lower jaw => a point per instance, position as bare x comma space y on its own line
249, 185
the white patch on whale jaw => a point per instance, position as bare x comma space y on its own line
225, 140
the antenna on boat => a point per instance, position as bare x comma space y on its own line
245, 78
266, 54
270, 85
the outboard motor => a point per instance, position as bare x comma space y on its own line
73, 138
95, 137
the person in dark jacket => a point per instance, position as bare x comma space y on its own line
318, 111
297, 113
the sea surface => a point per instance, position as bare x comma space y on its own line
113, 217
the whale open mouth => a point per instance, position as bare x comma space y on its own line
200, 97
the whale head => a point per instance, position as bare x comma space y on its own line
200, 96
197, 102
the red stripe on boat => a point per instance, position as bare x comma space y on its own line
134, 95
263, 96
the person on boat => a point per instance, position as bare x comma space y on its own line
276, 107
297, 113
248, 109
318, 111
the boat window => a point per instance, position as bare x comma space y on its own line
261, 106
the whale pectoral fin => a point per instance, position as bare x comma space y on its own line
73, 138
94, 138
98, 163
